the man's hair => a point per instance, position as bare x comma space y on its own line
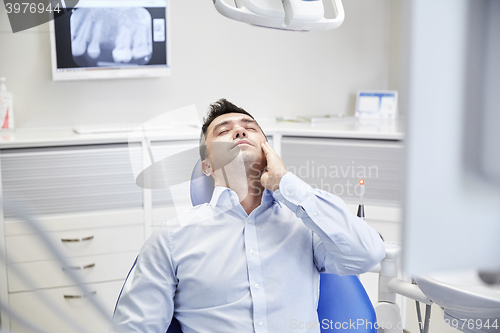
220, 107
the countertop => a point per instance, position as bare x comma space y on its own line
344, 128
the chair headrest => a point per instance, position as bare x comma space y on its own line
201, 187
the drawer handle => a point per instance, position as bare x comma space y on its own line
82, 267
70, 240
80, 296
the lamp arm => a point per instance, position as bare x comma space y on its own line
243, 14
389, 285
339, 16
408, 289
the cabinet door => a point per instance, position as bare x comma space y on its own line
336, 165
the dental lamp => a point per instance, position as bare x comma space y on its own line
295, 15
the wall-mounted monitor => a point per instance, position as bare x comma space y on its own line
109, 39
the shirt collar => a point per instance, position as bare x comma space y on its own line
225, 196
222, 194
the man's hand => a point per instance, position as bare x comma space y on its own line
275, 169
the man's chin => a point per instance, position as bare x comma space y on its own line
251, 160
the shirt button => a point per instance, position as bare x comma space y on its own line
249, 222
252, 251
315, 214
257, 286
288, 192
261, 323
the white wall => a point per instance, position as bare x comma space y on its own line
268, 72
398, 33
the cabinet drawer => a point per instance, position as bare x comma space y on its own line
34, 307
50, 274
75, 243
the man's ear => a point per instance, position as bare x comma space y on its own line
206, 167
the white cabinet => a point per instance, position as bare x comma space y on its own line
100, 257
336, 165
88, 205
89, 208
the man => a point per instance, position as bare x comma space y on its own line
248, 261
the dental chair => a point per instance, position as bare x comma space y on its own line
343, 301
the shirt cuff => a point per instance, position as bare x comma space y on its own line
292, 192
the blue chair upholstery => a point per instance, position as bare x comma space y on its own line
343, 303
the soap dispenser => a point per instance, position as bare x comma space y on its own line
6, 106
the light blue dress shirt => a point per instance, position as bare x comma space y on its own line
220, 270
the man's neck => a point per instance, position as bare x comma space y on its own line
253, 197
249, 190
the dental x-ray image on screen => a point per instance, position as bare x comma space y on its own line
108, 37
98, 37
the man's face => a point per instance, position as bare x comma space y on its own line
234, 133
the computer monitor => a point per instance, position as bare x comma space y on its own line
108, 39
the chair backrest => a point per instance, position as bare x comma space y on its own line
343, 303
201, 186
